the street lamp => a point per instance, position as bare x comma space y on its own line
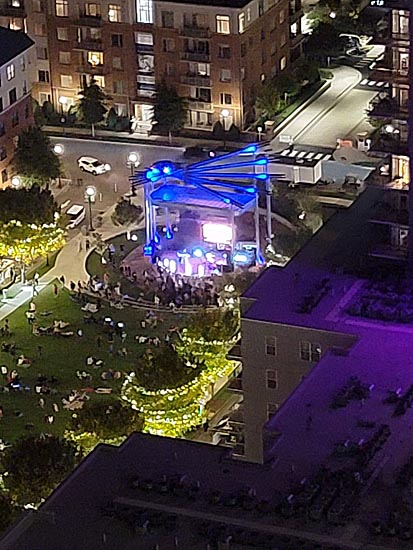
63, 102
133, 161
225, 114
58, 149
16, 181
90, 195
259, 130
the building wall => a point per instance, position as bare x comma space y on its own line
260, 401
16, 112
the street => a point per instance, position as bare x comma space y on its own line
112, 185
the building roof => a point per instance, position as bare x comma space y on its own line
12, 43
236, 4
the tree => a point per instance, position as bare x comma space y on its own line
287, 85
6, 511
31, 205
33, 466
127, 213
91, 107
218, 131
307, 71
34, 159
324, 42
268, 102
170, 110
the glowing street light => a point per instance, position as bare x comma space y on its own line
58, 149
259, 130
133, 161
332, 14
16, 182
90, 195
63, 102
224, 115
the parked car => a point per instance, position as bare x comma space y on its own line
93, 165
75, 214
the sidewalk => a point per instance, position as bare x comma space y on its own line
344, 80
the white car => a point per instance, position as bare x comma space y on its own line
92, 165
76, 214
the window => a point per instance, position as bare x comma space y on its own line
93, 10
121, 109
115, 13
168, 45
43, 76
223, 24
62, 8
62, 33
117, 63
283, 63
272, 408
224, 52
3, 153
225, 99
262, 77
41, 53
283, 39
169, 69
243, 73
272, 379
167, 18
15, 119
12, 96
282, 17
260, 8
95, 58
144, 11
66, 81
4, 176
23, 62
118, 87
117, 41
241, 23
248, 14
10, 71
43, 97
64, 58
40, 29
100, 81
37, 5
144, 39
310, 351
225, 75
271, 345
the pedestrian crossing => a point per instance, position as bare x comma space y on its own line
370, 84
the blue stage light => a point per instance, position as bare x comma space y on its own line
250, 189
261, 161
156, 238
261, 176
169, 234
249, 149
148, 250
166, 169
197, 252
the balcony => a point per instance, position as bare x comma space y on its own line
196, 80
87, 68
13, 11
94, 45
196, 56
144, 48
86, 20
195, 32
201, 106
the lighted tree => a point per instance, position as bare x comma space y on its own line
103, 422
170, 110
268, 102
33, 466
91, 107
34, 159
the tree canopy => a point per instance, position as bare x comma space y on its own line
27, 205
33, 466
91, 107
127, 213
34, 159
6, 511
268, 102
170, 110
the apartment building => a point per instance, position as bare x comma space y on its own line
391, 140
15, 101
215, 53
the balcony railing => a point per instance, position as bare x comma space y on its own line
201, 106
86, 20
143, 48
196, 56
195, 32
91, 69
196, 80
94, 45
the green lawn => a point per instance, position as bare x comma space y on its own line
62, 357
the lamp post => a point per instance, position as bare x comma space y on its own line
259, 130
16, 182
58, 149
63, 103
225, 114
90, 194
133, 161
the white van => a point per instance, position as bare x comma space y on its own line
76, 214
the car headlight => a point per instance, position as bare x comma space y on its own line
107, 166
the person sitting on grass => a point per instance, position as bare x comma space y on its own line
22, 360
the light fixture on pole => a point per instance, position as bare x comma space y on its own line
224, 114
63, 103
16, 182
58, 149
259, 130
90, 192
133, 161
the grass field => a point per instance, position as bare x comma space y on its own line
61, 357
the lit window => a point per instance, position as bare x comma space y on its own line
282, 17
283, 63
270, 345
272, 408
241, 22
16, 4
95, 58
223, 24
144, 38
10, 71
225, 75
248, 14
114, 13
93, 10
225, 99
144, 11
100, 81
62, 8
272, 379
310, 351
66, 81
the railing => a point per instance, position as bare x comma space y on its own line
196, 56
87, 20
195, 32
86, 44
196, 80
93, 69
201, 106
